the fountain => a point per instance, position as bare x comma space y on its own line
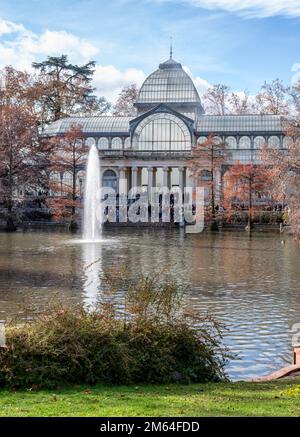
91, 223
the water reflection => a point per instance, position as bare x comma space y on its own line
92, 269
251, 285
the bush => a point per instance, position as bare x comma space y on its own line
148, 339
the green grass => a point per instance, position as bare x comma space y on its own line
280, 398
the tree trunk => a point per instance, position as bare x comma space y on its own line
213, 224
10, 225
73, 227
249, 226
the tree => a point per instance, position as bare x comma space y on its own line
125, 104
68, 157
284, 170
22, 154
64, 89
273, 98
216, 99
240, 103
207, 158
242, 183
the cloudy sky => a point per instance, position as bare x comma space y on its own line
237, 42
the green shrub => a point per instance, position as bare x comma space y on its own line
148, 339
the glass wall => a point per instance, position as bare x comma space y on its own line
116, 143
103, 143
162, 132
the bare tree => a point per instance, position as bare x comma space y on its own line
22, 153
207, 158
67, 157
124, 104
273, 98
216, 99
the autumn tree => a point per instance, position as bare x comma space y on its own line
125, 103
242, 184
22, 153
283, 166
216, 99
240, 103
67, 157
64, 89
273, 98
207, 159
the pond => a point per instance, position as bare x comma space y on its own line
252, 285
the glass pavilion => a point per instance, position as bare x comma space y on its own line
152, 149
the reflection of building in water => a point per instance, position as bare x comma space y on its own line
152, 148
92, 264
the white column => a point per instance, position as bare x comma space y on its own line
134, 177
182, 178
122, 180
166, 177
150, 181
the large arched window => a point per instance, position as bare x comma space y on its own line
259, 142
201, 140
231, 143
116, 143
127, 143
162, 132
90, 141
103, 143
274, 142
109, 179
244, 143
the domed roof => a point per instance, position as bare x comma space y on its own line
169, 84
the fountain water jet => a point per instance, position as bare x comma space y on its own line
91, 223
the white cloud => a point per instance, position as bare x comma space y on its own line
252, 8
201, 84
109, 81
20, 47
7, 27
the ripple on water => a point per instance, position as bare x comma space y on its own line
252, 286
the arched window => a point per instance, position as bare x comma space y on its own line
201, 140
274, 142
231, 143
109, 179
162, 132
245, 143
259, 142
287, 141
117, 143
127, 143
90, 142
103, 143
217, 140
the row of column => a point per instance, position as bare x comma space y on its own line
136, 177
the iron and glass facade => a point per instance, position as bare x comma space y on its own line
153, 148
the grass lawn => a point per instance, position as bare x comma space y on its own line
280, 398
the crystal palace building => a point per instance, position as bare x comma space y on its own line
153, 148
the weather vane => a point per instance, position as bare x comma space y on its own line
171, 47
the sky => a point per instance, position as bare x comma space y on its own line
240, 43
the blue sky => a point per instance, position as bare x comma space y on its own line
237, 42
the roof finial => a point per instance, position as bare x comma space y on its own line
171, 47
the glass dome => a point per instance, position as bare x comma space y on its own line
169, 84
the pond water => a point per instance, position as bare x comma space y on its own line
252, 285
